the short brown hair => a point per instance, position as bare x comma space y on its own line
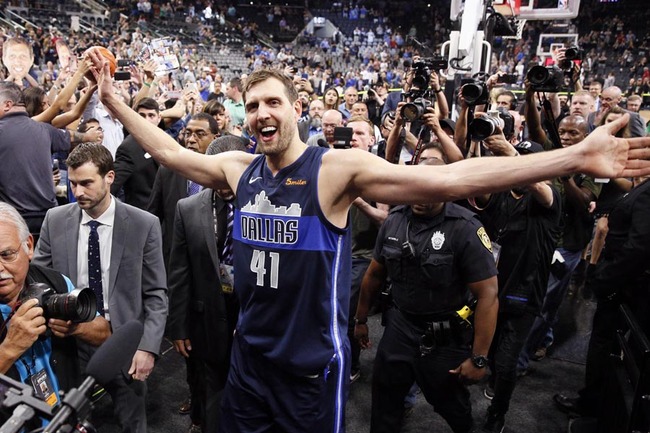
636, 98
261, 75
371, 126
214, 107
94, 153
147, 104
16, 41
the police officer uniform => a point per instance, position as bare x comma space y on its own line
430, 261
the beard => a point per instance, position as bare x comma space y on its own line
316, 122
283, 138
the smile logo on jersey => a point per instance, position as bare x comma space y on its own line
295, 182
437, 240
485, 239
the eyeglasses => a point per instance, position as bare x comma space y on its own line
198, 134
9, 256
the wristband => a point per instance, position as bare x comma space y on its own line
146, 84
438, 91
360, 322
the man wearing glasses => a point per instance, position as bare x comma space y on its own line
48, 364
169, 187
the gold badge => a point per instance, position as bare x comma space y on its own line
485, 239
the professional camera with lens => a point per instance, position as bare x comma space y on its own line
545, 78
475, 92
487, 124
412, 111
80, 305
570, 54
422, 71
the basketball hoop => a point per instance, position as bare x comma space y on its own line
511, 10
520, 23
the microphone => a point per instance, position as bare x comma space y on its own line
115, 352
322, 143
105, 364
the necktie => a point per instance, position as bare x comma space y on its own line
226, 253
95, 266
192, 188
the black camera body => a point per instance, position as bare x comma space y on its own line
80, 305
422, 71
570, 54
487, 124
545, 78
412, 111
342, 137
475, 92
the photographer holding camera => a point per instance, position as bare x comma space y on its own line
523, 224
421, 93
577, 192
34, 344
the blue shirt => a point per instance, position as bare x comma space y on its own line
37, 358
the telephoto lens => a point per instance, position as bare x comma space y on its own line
484, 126
79, 305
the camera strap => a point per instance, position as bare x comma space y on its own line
415, 159
549, 121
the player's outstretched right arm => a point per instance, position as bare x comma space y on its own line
217, 171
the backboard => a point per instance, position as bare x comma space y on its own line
550, 41
539, 9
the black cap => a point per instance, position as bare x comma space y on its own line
448, 123
525, 147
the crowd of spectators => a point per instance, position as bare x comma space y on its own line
371, 46
369, 54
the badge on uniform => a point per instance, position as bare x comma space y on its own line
437, 240
43, 387
485, 239
226, 274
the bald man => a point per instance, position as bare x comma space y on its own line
349, 98
331, 119
611, 97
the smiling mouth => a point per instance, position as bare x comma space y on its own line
268, 131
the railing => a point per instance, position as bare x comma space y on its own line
10, 14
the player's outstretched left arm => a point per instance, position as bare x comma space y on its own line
599, 155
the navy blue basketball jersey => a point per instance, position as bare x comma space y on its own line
292, 267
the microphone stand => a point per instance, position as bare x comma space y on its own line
75, 403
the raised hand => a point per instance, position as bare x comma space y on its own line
607, 156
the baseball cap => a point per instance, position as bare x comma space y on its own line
526, 147
448, 123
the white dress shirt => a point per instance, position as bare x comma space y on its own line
105, 232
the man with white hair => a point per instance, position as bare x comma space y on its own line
46, 361
331, 119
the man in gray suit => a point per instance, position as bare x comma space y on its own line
129, 276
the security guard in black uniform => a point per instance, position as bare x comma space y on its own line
434, 255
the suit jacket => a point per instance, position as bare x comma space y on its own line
135, 171
391, 102
198, 308
636, 124
137, 282
303, 129
168, 188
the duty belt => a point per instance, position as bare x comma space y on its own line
436, 334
